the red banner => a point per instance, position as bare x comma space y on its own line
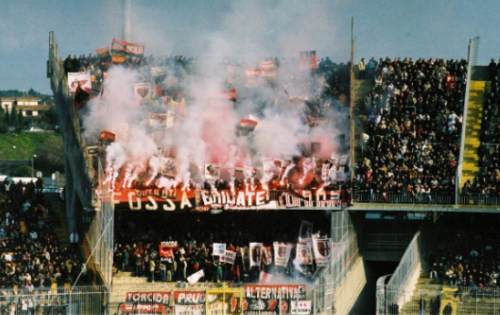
102, 51
129, 308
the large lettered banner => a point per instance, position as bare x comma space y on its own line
189, 302
272, 299
201, 200
147, 303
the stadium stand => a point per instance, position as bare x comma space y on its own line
408, 152
32, 256
485, 184
413, 131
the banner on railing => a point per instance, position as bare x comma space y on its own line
172, 199
189, 302
271, 299
121, 47
300, 307
157, 302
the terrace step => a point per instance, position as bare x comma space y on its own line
472, 141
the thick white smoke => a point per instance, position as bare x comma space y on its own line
206, 130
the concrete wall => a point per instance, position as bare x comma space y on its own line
78, 189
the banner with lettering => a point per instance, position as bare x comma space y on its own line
156, 302
165, 198
301, 307
134, 49
229, 257
118, 46
271, 299
189, 302
166, 249
82, 78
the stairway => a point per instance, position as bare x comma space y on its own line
58, 218
473, 129
465, 304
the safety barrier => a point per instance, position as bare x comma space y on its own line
289, 298
100, 236
402, 283
431, 198
81, 300
448, 300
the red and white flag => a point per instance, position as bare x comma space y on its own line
322, 249
255, 254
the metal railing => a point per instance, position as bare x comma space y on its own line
432, 198
400, 286
472, 199
100, 236
476, 199
449, 301
81, 300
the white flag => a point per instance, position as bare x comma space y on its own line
195, 277
218, 249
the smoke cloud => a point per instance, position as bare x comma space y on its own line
205, 127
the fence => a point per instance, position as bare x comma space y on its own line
447, 300
431, 198
101, 232
400, 287
81, 300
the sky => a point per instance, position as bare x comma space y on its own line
404, 28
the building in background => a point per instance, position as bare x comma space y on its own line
29, 106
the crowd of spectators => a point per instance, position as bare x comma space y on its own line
410, 141
487, 182
467, 253
137, 246
31, 256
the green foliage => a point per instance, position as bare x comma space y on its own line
48, 147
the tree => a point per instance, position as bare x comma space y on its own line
4, 123
21, 122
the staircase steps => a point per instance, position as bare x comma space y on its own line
472, 141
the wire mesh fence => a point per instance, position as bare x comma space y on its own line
449, 301
45, 301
